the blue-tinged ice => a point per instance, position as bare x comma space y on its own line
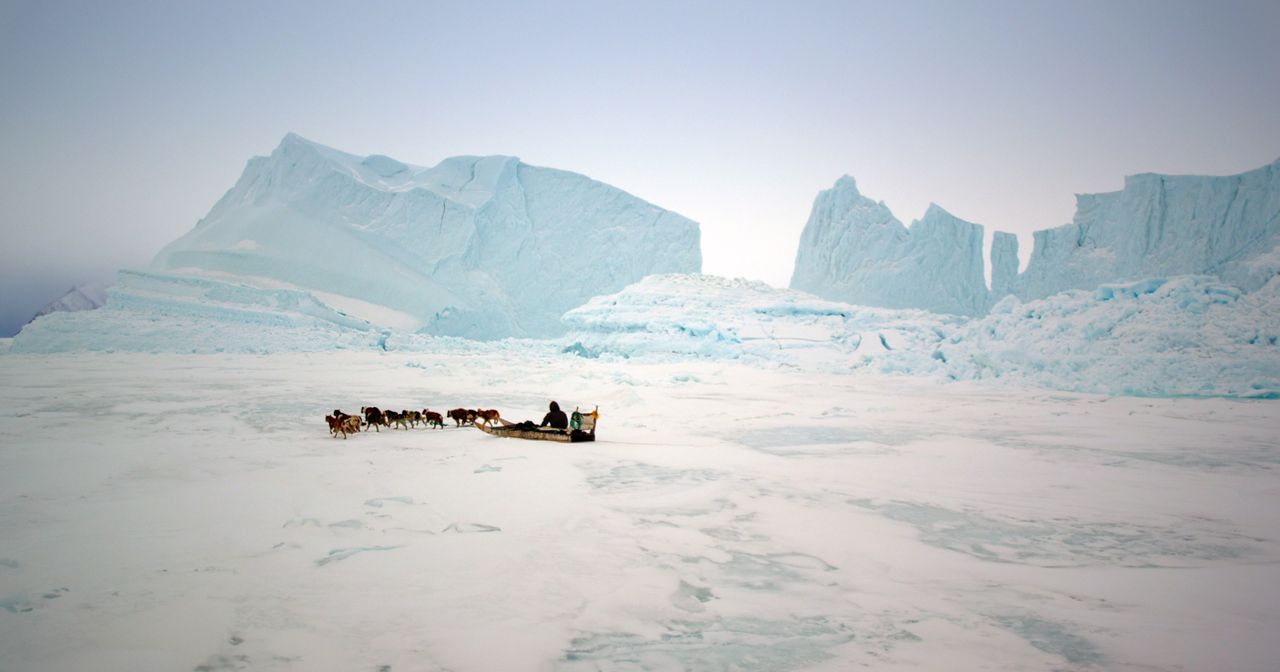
1004, 263
1182, 335
480, 247
854, 250
1161, 225
705, 316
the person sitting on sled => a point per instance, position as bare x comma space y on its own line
555, 418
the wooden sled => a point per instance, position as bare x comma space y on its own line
511, 430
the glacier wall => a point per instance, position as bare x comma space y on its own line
1158, 225
854, 250
481, 247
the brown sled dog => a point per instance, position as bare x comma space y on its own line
462, 416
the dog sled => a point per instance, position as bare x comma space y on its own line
582, 428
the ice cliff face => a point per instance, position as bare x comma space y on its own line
1158, 225
1004, 263
854, 250
482, 247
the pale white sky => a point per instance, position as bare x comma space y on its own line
121, 123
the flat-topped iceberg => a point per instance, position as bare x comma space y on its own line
1158, 225
482, 247
853, 249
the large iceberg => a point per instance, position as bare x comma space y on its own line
482, 247
1159, 225
853, 249
318, 250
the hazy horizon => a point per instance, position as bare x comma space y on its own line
123, 124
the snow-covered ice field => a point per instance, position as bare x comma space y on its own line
169, 512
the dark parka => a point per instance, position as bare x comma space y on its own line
556, 418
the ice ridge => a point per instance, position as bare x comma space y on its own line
1166, 336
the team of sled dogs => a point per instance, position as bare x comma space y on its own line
372, 416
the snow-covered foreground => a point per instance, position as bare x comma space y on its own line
168, 512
